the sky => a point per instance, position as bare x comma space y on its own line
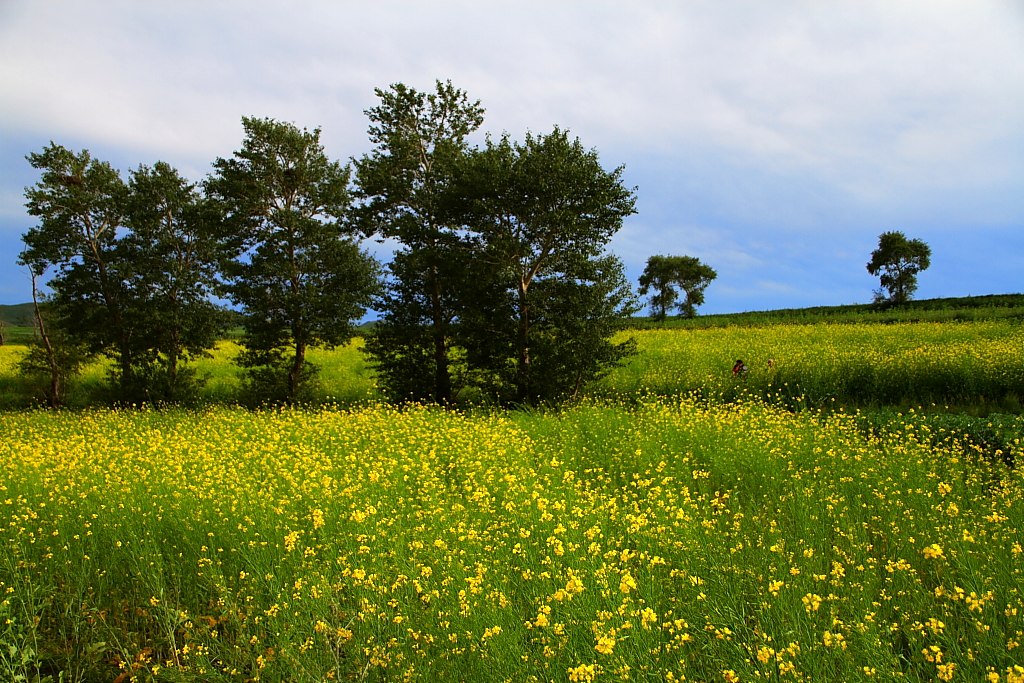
775, 141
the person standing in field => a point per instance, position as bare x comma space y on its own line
739, 369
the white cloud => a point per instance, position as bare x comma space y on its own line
794, 115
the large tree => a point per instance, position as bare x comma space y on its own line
542, 213
403, 186
296, 270
664, 274
172, 282
896, 262
131, 268
81, 204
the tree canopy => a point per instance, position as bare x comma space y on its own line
541, 213
501, 282
132, 271
404, 190
896, 262
293, 265
663, 274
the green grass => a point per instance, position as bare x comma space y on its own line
958, 309
678, 522
667, 539
972, 366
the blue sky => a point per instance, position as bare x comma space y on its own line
773, 140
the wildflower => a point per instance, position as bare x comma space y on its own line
574, 585
945, 671
627, 583
730, 676
933, 552
584, 673
830, 639
812, 602
605, 644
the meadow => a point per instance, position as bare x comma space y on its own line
972, 366
677, 524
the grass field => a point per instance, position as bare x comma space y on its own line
673, 540
677, 524
972, 365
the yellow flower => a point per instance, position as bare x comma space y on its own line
605, 644
811, 602
584, 673
627, 583
933, 552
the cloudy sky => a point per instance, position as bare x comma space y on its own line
773, 140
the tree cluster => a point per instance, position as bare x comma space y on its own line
665, 276
500, 287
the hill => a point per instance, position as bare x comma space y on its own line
19, 315
988, 307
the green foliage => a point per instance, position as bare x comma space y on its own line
133, 269
897, 261
953, 309
546, 297
49, 372
664, 273
403, 187
293, 265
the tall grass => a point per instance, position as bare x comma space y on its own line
672, 540
908, 364
344, 377
967, 365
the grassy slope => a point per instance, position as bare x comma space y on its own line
993, 306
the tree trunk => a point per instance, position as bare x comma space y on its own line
54, 394
295, 372
442, 379
523, 347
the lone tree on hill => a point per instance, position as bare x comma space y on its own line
664, 273
897, 261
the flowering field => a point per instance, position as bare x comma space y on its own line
966, 364
671, 540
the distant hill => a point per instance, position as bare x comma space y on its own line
934, 310
19, 315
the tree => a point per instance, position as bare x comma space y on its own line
171, 285
52, 356
663, 274
133, 270
80, 203
294, 266
897, 261
547, 296
403, 186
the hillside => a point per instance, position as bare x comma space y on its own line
19, 315
988, 307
